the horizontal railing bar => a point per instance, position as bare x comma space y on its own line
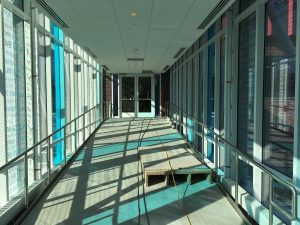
284, 182
47, 138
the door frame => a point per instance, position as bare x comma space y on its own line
136, 95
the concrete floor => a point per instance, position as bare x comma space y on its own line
104, 185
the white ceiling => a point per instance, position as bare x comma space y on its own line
156, 33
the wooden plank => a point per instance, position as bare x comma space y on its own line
154, 162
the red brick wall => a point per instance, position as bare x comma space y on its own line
107, 88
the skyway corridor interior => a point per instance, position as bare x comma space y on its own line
104, 184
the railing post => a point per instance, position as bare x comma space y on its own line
202, 143
65, 145
217, 154
111, 110
165, 110
236, 177
95, 116
26, 180
75, 139
177, 120
48, 159
90, 122
186, 127
83, 134
270, 200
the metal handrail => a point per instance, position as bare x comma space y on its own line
245, 157
46, 142
46, 138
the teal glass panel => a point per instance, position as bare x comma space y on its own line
190, 133
58, 100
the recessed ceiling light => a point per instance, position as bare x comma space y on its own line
133, 13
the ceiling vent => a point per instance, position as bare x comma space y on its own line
105, 67
147, 71
52, 13
213, 13
178, 53
90, 52
166, 67
135, 59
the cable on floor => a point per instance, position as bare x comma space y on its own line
173, 178
143, 179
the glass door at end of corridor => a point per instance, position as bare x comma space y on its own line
145, 103
128, 96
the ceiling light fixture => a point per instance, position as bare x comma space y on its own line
133, 13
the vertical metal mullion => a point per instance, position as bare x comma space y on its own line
65, 144
296, 150
48, 159
33, 82
75, 132
233, 93
227, 88
26, 122
258, 98
236, 179
4, 94
4, 99
217, 97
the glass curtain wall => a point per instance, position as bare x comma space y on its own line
37, 94
260, 88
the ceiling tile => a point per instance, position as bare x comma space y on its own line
168, 14
96, 13
156, 33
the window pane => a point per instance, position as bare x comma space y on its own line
279, 85
127, 106
200, 89
128, 87
246, 96
222, 83
145, 87
144, 105
244, 4
15, 98
42, 94
58, 100
18, 3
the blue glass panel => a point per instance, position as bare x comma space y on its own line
58, 104
210, 151
190, 134
60, 35
54, 30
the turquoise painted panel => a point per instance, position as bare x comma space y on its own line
131, 145
129, 210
